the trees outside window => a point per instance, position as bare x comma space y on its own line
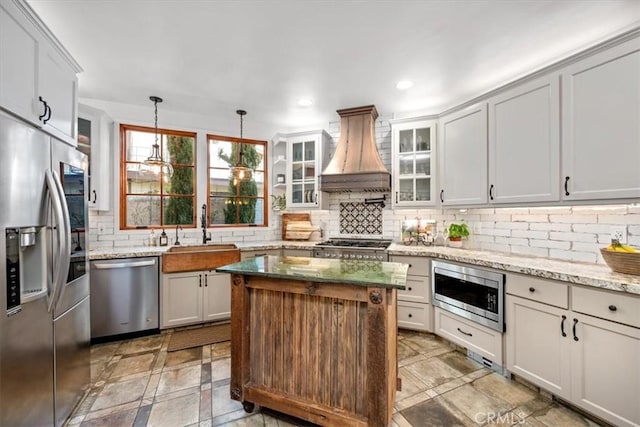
231, 201
148, 196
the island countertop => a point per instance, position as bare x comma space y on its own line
361, 273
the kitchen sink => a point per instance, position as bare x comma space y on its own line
199, 257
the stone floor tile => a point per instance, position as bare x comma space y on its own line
183, 356
448, 386
423, 343
205, 376
120, 419
475, 405
255, 420
224, 420
221, 369
557, 415
460, 362
176, 394
221, 402
152, 386
403, 404
502, 388
404, 351
433, 414
178, 379
133, 365
433, 372
410, 384
139, 345
111, 410
181, 411
119, 393
205, 404
399, 421
142, 417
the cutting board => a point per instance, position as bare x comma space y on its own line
286, 217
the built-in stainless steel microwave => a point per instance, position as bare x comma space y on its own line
473, 293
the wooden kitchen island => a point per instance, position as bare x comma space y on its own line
316, 338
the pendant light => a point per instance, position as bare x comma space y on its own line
155, 159
241, 172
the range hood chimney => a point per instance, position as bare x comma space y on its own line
356, 164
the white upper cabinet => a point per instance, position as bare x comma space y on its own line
94, 139
524, 143
414, 161
37, 75
305, 161
463, 157
601, 125
19, 53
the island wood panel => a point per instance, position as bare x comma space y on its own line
330, 359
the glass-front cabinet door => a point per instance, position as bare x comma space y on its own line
414, 162
305, 164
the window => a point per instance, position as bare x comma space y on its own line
233, 202
148, 197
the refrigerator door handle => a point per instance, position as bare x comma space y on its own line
64, 236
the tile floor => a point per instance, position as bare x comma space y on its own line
138, 383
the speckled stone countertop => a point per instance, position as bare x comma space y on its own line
598, 276
324, 270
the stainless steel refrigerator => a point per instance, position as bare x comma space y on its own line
44, 291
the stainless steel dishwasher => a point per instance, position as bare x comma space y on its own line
124, 296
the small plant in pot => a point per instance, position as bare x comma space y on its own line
457, 232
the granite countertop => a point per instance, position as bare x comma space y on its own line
324, 270
595, 275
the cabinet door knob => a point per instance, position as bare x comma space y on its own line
532, 289
613, 308
410, 289
410, 315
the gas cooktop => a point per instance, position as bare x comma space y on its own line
355, 243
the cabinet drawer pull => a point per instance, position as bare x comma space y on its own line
532, 289
564, 334
410, 289
396, 197
199, 280
205, 281
491, 192
257, 255
95, 196
566, 185
469, 334
613, 308
575, 337
441, 196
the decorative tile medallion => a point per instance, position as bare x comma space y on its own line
360, 218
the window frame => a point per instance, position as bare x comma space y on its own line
265, 195
123, 175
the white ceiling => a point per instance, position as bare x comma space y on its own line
212, 57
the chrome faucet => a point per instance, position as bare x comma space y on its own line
177, 242
205, 236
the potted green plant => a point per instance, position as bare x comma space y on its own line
457, 232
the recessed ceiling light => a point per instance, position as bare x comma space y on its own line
404, 84
305, 102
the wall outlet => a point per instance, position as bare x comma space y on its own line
619, 232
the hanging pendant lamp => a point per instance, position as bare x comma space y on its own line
155, 159
241, 172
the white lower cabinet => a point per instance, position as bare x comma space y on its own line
194, 297
474, 337
590, 361
414, 303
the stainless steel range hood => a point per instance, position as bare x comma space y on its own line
356, 164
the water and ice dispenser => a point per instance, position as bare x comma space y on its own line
26, 266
